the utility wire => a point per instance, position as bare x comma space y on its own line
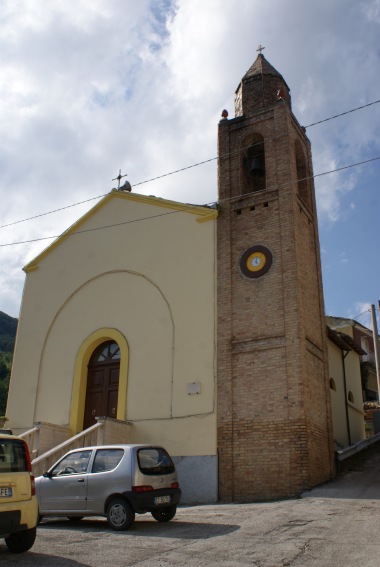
185, 168
90, 229
54, 211
177, 211
104, 194
344, 167
361, 314
354, 318
176, 171
343, 113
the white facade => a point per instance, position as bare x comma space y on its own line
139, 271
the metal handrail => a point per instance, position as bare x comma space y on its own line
82, 439
30, 437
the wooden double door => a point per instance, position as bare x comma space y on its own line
102, 383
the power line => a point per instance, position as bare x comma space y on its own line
177, 211
176, 171
182, 169
104, 194
345, 167
343, 113
361, 314
89, 229
54, 211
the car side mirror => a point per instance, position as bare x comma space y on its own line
47, 474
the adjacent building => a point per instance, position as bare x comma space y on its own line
345, 389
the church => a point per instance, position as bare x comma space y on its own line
199, 328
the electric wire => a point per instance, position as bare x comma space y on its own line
90, 229
354, 318
213, 203
342, 113
54, 211
361, 314
177, 171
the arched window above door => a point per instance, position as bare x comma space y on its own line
105, 353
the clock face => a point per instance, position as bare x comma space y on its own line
255, 261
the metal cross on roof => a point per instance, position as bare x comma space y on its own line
260, 48
119, 177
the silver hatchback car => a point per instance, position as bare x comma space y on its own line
116, 481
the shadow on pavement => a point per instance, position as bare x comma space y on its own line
143, 528
30, 559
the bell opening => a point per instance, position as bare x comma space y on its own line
257, 167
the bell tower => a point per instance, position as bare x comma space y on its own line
274, 416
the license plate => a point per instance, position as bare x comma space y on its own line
5, 492
162, 500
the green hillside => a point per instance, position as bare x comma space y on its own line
8, 328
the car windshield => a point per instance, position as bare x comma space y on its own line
12, 456
154, 460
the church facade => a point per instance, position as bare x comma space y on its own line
202, 327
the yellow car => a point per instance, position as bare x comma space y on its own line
18, 502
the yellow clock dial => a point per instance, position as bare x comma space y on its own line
256, 261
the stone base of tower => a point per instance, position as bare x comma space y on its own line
267, 460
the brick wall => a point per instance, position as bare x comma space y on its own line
274, 417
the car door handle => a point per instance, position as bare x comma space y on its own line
80, 479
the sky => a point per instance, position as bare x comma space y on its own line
91, 87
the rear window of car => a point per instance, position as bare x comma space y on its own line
12, 456
154, 460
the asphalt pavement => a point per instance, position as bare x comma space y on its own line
334, 525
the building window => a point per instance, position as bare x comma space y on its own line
106, 352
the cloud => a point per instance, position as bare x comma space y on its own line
139, 86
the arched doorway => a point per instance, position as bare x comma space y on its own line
102, 383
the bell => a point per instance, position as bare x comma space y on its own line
257, 167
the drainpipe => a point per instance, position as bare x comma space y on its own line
345, 396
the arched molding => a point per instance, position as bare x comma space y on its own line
95, 339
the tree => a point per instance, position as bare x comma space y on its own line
5, 374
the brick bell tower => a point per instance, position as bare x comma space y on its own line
274, 416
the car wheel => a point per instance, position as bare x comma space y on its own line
75, 518
21, 541
164, 515
120, 515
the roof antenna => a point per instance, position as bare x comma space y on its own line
126, 185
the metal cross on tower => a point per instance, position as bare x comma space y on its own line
119, 177
260, 48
